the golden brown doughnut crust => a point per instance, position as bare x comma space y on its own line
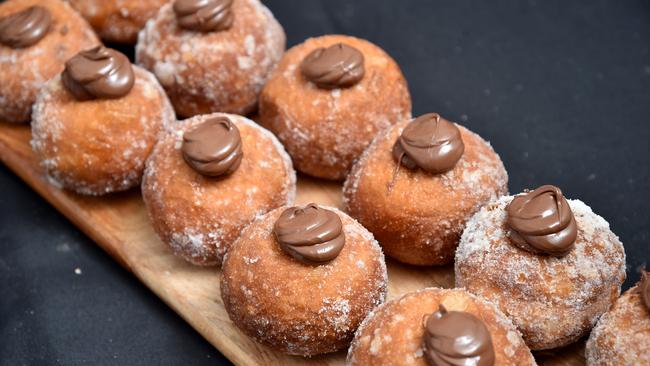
117, 20
297, 308
98, 146
325, 130
622, 335
217, 71
24, 71
392, 333
420, 221
552, 301
199, 217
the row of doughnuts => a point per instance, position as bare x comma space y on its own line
537, 270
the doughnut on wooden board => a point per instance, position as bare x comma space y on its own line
119, 224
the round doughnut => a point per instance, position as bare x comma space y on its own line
622, 335
117, 20
552, 300
217, 71
98, 146
200, 216
325, 129
393, 333
299, 308
24, 71
417, 216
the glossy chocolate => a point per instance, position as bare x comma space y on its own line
541, 221
213, 148
310, 233
204, 15
99, 72
337, 66
25, 28
644, 288
454, 338
430, 143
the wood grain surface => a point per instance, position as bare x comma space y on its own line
119, 224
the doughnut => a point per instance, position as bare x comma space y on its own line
550, 264
417, 204
208, 177
438, 327
328, 98
36, 38
117, 20
214, 64
301, 279
622, 335
94, 124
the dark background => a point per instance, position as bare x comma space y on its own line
560, 88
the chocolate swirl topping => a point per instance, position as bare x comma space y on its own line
455, 338
99, 72
25, 28
213, 148
336, 66
541, 221
204, 15
431, 143
310, 233
644, 288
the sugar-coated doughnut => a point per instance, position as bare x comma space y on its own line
221, 68
325, 123
552, 299
28, 59
302, 286
199, 198
399, 332
89, 137
416, 215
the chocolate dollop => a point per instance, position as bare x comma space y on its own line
25, 28
213, 148
644, 288
429, 142
204, 15
454, 338
336, 66
310, 233
541, 221
99, 72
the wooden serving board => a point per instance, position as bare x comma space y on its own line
119, 224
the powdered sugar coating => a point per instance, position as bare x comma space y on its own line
392, 333
98, 146
420, 219
325, 130
199, 217
622, 335
296, 308
216, 71
24, 71
553, 301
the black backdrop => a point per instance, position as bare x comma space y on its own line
561, 89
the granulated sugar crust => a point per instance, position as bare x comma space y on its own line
98, 146
553, 301
198, 216
392, 333
296, 308
217, 71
